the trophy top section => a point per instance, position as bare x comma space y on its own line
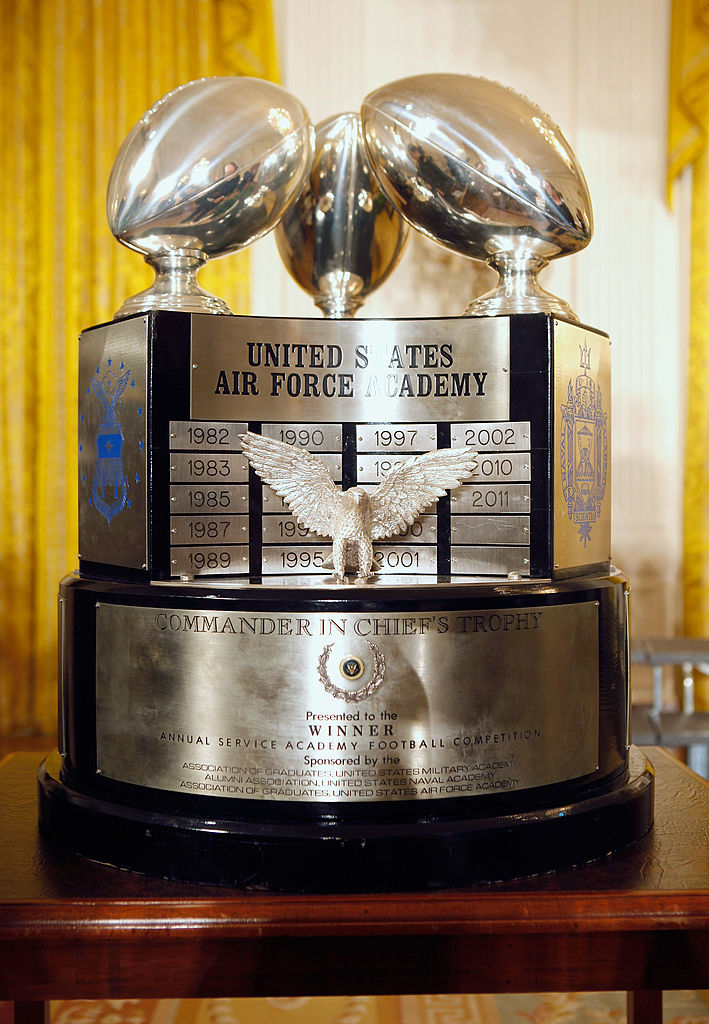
209, 168
342, 237
477, 166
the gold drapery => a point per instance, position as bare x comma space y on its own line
75, 75
687, 144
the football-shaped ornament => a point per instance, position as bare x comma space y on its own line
207, 170
485, 172
342, 237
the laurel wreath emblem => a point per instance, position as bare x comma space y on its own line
353, 696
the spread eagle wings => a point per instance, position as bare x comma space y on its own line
411, 487
304, 482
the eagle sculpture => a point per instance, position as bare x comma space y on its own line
354, 518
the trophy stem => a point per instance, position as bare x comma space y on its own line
339, 307
175, 287
518, 290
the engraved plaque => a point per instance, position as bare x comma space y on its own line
316, 437
405, 558
208, 498
209, 561
373, 468
396, 437
226, 715
205, 436
491, 560
515, 466
215, 529
208, 468
281, 529
295, 558
113, 424
582, 439
482, 499
325, 371
491, 437
490, 529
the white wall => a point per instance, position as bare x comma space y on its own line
599, 68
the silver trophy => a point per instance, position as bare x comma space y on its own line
485, 172
342, 237
207, 170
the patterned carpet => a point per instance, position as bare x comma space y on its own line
549, 1008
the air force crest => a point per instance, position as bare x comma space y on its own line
584, 449
109, 487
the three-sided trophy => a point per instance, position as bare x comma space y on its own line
345, 617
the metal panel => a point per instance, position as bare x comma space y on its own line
492, 437
359, 707
489, 561
216, 529
396, 437
323, 371
490, 529
315, 437
483, 499
208, 468
209, 499
221, 560
206, 436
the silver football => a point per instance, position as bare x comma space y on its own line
485, 172
342, 237
208, 169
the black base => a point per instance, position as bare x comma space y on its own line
347, 858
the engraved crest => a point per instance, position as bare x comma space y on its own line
352, 667
354, 518
583, 451
109, 487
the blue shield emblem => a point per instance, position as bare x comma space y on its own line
109, 487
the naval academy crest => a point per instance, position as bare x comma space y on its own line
584, 449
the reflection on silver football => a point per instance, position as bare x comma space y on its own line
207, 170
342, 237
483, 171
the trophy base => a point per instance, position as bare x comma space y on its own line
387, 856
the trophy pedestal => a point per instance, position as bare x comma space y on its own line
344, 857
400, 735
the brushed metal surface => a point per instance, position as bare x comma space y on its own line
208, 468
492, 437
208, 498
396, 437
224, 529
508, 529
205, 436
582, 424
113, 524
205, 560
483, 499
502, 466
316, 437
264, 369
489, 561
254, 705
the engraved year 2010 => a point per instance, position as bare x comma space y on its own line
485, 436
208, 435
209, 560
494, 467
304, 438
208, 467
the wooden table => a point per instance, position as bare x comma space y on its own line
638, 922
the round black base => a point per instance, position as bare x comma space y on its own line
347, 858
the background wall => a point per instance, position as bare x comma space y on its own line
600, 69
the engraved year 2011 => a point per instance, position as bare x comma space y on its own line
490, 498
485, 436
208, 435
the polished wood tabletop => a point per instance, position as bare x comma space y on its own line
637, 921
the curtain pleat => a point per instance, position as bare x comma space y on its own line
75, 75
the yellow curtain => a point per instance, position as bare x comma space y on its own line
75, 75
688, 134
